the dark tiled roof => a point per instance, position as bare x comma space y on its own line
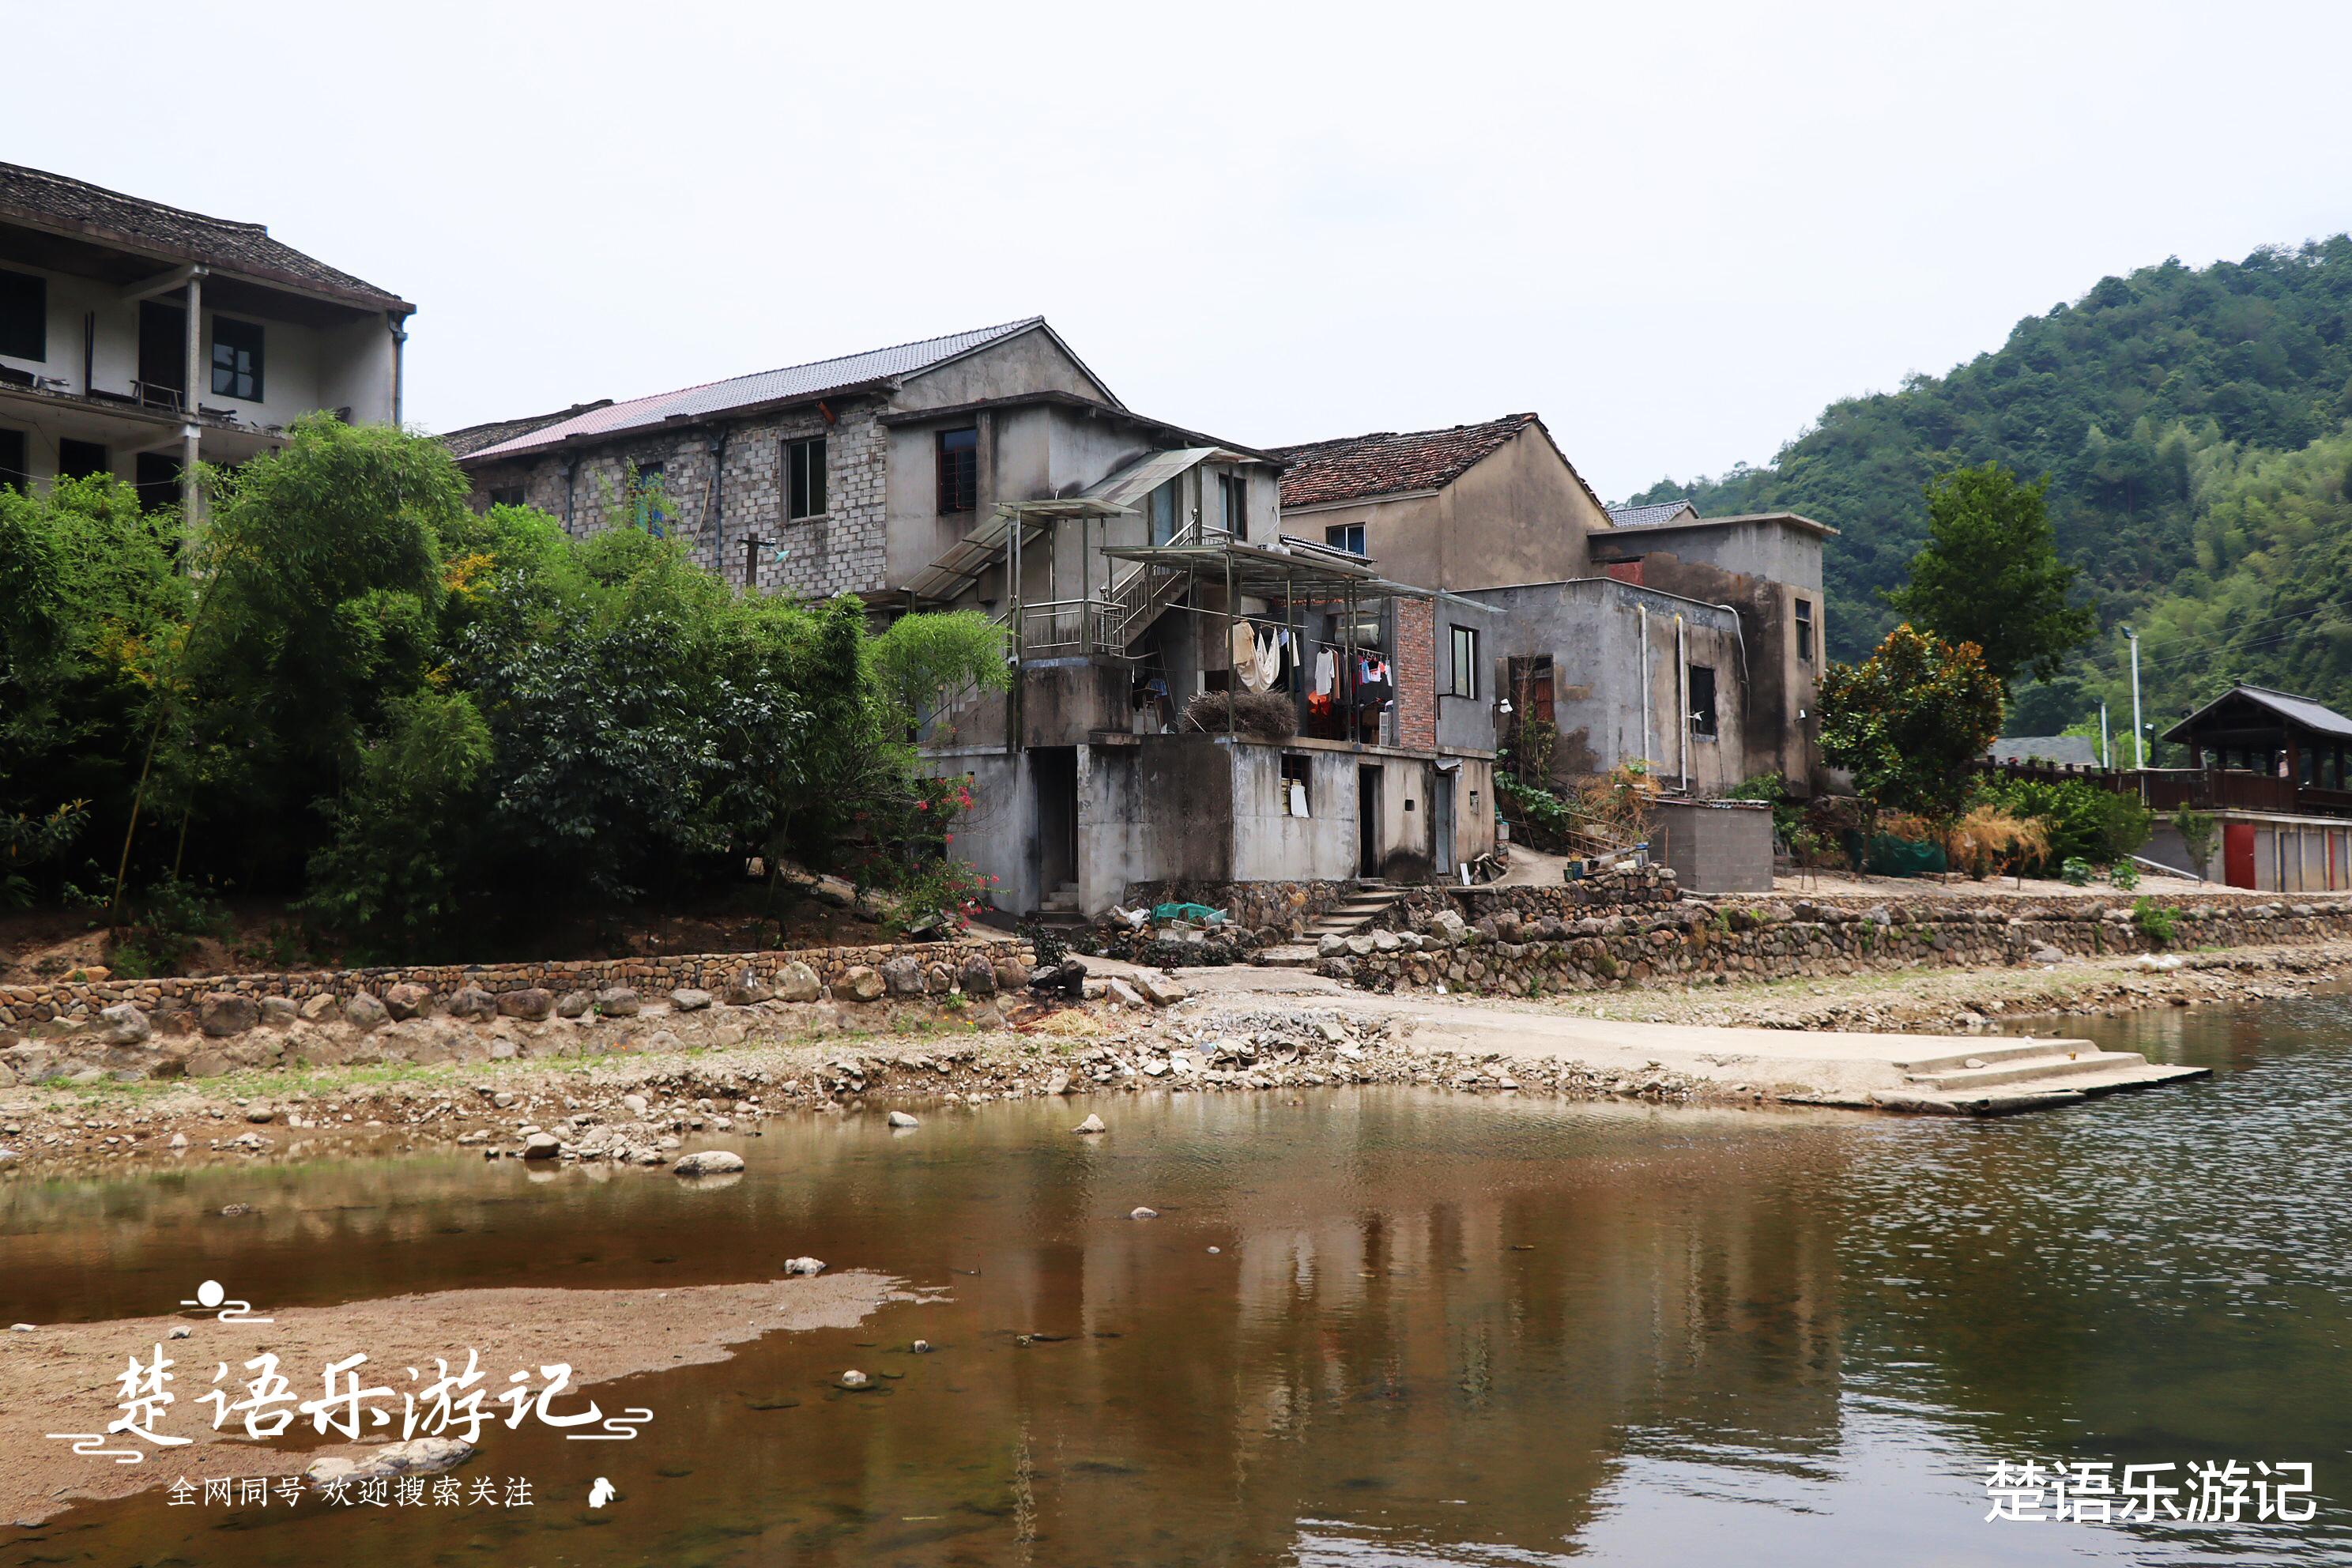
471, 439
1651, 515
1386, 463
2316, 717
792, 383
110, 217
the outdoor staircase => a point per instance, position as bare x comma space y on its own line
1993, 1075
1372, 899
1059, 908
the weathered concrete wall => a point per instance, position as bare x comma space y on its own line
1717, 845
1780, 713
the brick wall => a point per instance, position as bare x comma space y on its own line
841, 552
1414, 668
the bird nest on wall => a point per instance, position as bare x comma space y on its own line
1261, 715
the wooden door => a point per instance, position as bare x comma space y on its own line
2237, 854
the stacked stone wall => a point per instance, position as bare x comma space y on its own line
1286, 909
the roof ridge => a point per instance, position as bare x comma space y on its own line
58, 179
1520, 418
1000, 326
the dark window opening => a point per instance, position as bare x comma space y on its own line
804, 479
959, 470
1167, 500
1805, 630
1530, 693
650, 501
1232, 493
1462, 680
1346, 536
1295, 800
507, 495
162, 354
237, 360
751, 548
16, 470
24, 316
1702, 699
79, 460
156, 476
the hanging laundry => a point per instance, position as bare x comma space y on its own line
1269, 663
1244, 646
1327, 670
1297, 798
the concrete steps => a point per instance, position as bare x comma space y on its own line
2028, 1075
1367, 904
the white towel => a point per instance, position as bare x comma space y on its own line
1297, 798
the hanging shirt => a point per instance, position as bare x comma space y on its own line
1244, 646
1269, 662
1327, 670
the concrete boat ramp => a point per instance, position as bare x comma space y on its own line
1952, 1075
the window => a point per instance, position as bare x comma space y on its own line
24, 316
1702, 700
804, 479
15, 474
507, 495
1346, 536
653, 515
237, 360
156, 476
1295, 801
1232, 492
79, 460
1462, 678
751, 548
1167, 500
959, 470
1805, 630
1530, 692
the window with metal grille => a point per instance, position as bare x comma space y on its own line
1462, 679
1702, 700
1297, 800
804, 479
237, 360
959, 469
1805, 630
1346, 536
1232, 491
24, 316
652, 499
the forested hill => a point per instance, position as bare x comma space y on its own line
2192, 424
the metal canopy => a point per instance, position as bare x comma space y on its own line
1259, 571
977, 551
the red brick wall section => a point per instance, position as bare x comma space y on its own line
1415, 671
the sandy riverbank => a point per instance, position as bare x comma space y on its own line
62, 1377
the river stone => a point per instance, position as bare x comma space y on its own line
417, 1457
1141, 1212
540, 1146
279, 1012
531, 1004
636, 1105
1012, 976
900, 1119
796, 982
472, 1002
618, 1002
125, 1024
686, 999
1121, 992
364, 1012
810, 1266
746, 989
1163, 990
709, 1162
854, 1378
222, 1013
179, 1141
573, 1003
861, 983
1332, 945
1091, 1124
321, 1008
903, 976
408, 999
977, 976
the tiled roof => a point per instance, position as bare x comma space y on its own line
472, 438
1386, 462
110, 217
2314, 716
1651, 515
794, 382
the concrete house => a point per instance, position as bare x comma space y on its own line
1127, 556
1652, 634
137, 337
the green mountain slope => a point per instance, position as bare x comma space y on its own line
2192, 421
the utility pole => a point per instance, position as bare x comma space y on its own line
2139, 735
2107, 752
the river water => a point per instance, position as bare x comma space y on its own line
1368, 1328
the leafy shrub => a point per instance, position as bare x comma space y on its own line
2083, 820
2159, 924
1909, 720
2198, 835
1787, 816
2075, 872
172, 915
2124, 875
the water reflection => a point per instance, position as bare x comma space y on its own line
1431, 1331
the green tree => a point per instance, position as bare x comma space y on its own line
1991, 575
1907, 722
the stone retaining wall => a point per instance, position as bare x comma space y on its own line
1287, 908
22, 1007
1695, 942
1623, 890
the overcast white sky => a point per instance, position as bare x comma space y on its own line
1676, 231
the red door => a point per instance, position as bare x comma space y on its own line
2237, 854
